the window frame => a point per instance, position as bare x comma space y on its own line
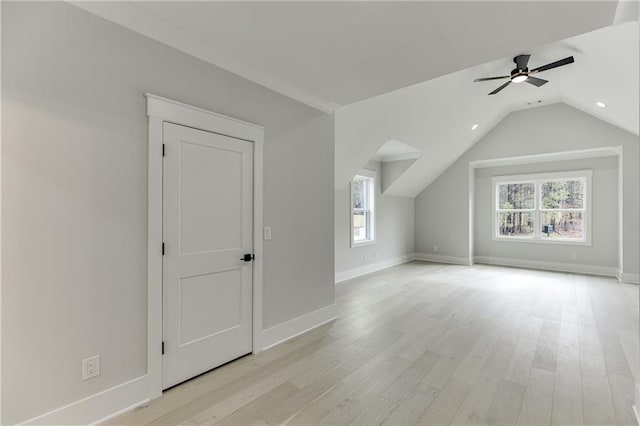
537, 179
370, 176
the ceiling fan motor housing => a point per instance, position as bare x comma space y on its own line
518, 71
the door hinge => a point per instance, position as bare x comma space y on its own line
163, 249
163, 150
163, 348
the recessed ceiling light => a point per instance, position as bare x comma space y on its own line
600, 104
475, 126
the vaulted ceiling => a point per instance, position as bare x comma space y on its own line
438, 116
404, 70
330, 54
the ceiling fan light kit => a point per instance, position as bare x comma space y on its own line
521, 73
519, 78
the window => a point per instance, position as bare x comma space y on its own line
363, 209
543, 207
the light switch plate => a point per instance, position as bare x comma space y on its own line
267, 232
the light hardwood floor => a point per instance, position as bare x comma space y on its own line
425, 343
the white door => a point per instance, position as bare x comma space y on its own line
207, 230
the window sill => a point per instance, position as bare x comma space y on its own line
539, 241
362, 243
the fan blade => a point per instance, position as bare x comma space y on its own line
521, 61
536, 81
556, 64
500, 88
491, 78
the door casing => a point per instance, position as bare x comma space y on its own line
160, 110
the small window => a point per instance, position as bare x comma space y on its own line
543, 207
362, 209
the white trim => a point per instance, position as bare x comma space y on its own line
188, 115
536, 179
162, 110
154, 256
608, 151
620, 212
629, 278
131, 16
292, 328
437, 258
367, 173
98, 407
530, 177
608, 271
533, 240
472, 207
472, 211
362, 243
373, 180
372, 267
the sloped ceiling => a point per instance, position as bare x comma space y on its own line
437, 116
328, 54
394, 150
400, 70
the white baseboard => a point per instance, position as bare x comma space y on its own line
437, 258
99, 407
292, 328
373, 267
548, 266
629, 278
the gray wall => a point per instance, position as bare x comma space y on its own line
604, 248
552, 128
392, 170
74, 191
395, 228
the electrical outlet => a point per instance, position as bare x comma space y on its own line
90, 367
435, 248
364, 256
376, 255
267, 232
573, 256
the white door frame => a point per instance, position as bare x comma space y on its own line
160, 110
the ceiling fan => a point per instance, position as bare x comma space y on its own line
521, 72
